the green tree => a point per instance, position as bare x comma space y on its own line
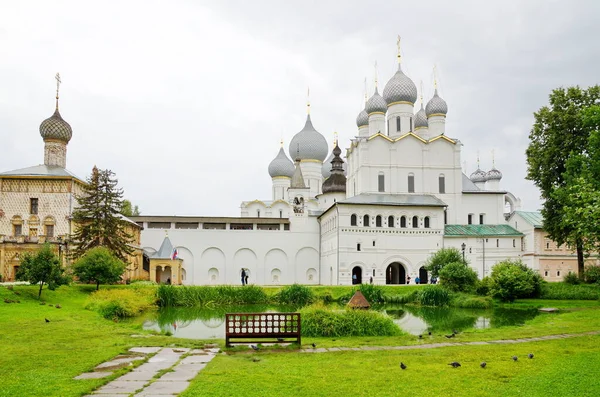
100, 266
42, 268
129, 209
457, 277
513, 279
98, 219
559, 133
441, 258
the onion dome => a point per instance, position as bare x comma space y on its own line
362, 119
55, 127
436, 106
400, 88
281, 165
478, 176
493, 175
336, 183
308, 144
376, 104
420, 119
326, 169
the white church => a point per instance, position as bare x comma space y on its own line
399, 195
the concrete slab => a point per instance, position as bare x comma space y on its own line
190, 367
197, 359
141, 375
179, 375
119, 362
164, 387
213, 350
94, 375
120, 387
153, 367
145, 350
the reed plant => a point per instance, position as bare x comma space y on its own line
434, 295
562, 291
170, 295
295, 294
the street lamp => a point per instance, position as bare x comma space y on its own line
463, 246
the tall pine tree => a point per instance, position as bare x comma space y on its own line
97, 218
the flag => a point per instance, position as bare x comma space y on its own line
175, 254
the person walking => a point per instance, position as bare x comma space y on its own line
417, 280
244, 277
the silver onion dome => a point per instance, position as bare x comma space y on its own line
376, 104
308, 144
478, 176
494, 175
436, 106
362, 119
54, 127
400, 88
421, 119
281, 165
326, 169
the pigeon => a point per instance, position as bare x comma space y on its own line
51, 305
58, 306
483, 364
530, 355
254, 347
420, 336
514, 358
402, 365
314, 345
47, 320
429, 333
455, 364
449, 336
454, 331
256, 359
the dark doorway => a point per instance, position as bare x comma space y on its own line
395, 274
423, 276
356, 275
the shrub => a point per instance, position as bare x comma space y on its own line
121, 303
571, 278
319, 321
471, 302
591, 274
482, 287
99, 265
171, 295
512, 280
373, 293
434, 295
570, 292
457, 276
295, 294
436, 262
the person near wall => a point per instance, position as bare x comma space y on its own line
244, 277
408, 280
417, 280
354, 279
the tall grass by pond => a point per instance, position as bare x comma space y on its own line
295, 294
170, 295
566, 291
121, 303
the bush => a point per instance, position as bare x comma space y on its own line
171, 295
591, 274
319, 321
436, 262
571, 278
482, 287
471, 302
434, 295
121, 303
512, 280
457, 276
295, 294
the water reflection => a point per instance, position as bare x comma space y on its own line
208, 323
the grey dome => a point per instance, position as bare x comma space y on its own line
55, 127
493, 175
326, 169
420, 120
436, 106
478, 176
400, 88
308, 144
336, 182
376, 104
281, 165
362, 119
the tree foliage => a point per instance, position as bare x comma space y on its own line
98, 218
559, 134
513, 279
129, 209
42, 268
457, 276
99, 265
441, 258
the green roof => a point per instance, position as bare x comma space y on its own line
480, 230
533, 218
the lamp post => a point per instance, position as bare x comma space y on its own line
463, 246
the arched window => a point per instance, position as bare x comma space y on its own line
415, 222
381, 182
442, 183
426, 222
366, 220
258, 213
378, 221
391, 221
403, 221
398, 123
411, 183
353, 220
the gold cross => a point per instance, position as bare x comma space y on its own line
398, 44
57, 77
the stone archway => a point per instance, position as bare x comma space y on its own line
357, 271
395, 273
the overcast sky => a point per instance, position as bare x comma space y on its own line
186, 101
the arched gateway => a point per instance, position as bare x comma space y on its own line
395, 274
356, 275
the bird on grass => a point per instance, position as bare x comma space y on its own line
530, 355
450, 336
515, 358
429, 333
47, 320
255, 359
483, 364
420, 336
454, 331
57, 306
314, 345
455, 364
402, 365
254, 347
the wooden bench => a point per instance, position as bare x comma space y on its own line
262, 327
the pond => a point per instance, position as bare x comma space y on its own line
205, 323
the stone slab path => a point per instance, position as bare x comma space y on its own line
177, 366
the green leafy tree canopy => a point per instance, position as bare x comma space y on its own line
99, 265
129, 209
457, 277
513, 279
441, 258
42, 268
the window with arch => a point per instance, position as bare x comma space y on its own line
381, 182
353, 220
398, 123
426, 222
403, 221
366, 220
411, 124
391, 221
258, 213
442, 183
411, 183
415, 222
378, 221
281, 213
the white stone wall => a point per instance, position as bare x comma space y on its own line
55, 153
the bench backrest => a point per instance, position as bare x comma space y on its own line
262, 324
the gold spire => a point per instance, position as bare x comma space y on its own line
308, 100
335, 138
281, 142
421, 84
493, 160
434, 77
399, 55
57, 77
478, 160
365, 90
375, 74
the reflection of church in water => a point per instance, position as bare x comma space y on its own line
400, 195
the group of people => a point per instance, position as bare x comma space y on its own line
418, 280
